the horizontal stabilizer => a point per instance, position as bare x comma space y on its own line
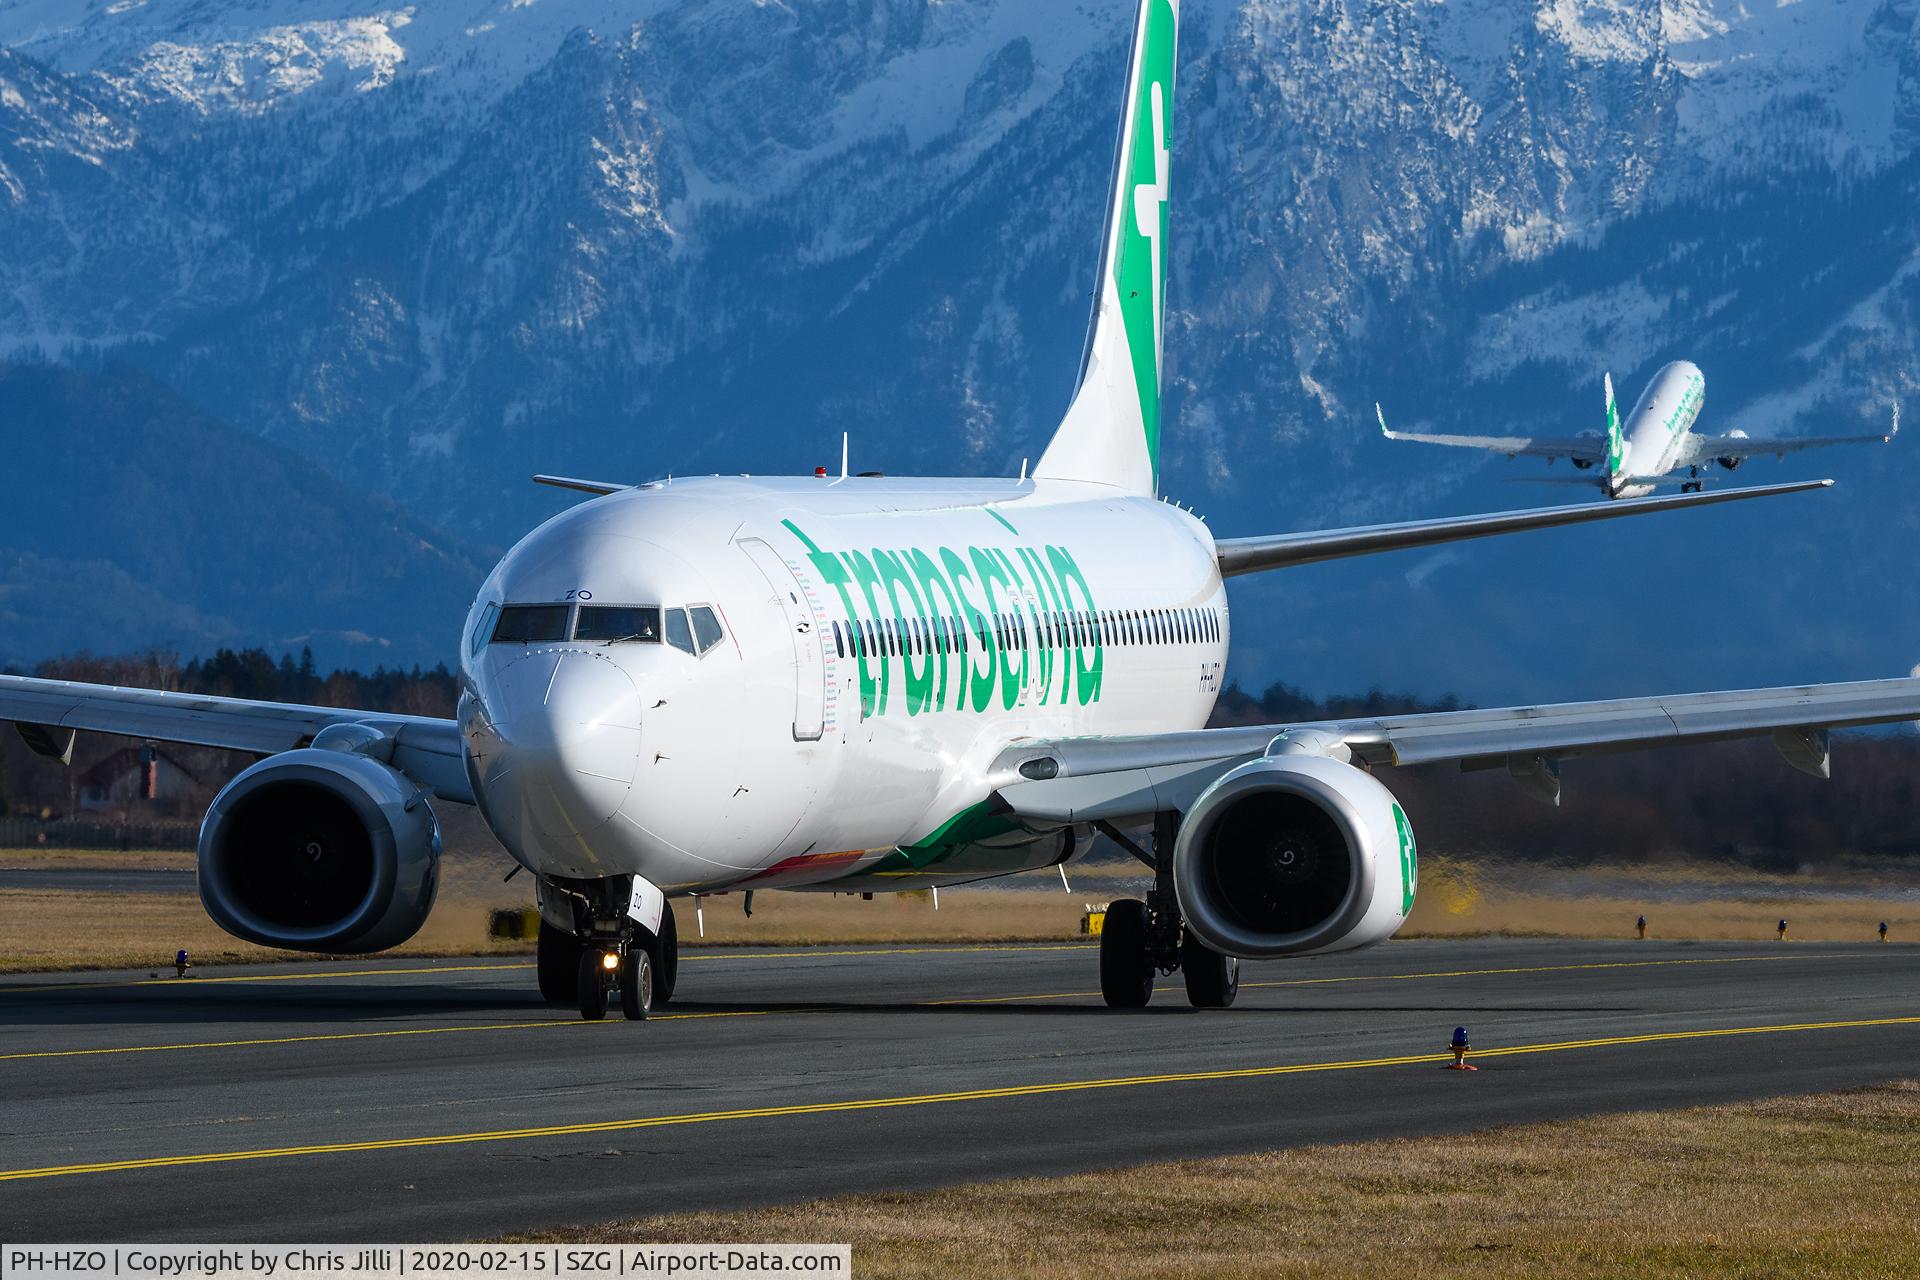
1251, 555
584, 486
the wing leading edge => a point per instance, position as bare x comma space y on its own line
1091, 779
1588, 449
1279, 551
427, 750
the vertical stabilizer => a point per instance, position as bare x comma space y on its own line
1111, 433
1616, 438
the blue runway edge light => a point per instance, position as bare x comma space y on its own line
1459, 1047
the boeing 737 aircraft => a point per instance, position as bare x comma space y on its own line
699, 685
1655, 441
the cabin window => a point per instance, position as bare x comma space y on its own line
839, 642
706, 627
679, 633
615, 623
531, 623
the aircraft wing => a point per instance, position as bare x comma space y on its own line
1113, 778
1279, 551
48, 712
1592, 449
1704, 449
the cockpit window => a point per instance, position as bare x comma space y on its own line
706, 627
610, 623
483, 628
679, 634
531, 623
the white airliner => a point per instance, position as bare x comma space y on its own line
1652, 444
731, 683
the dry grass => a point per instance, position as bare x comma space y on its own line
43, 859
1457, 899
55, 929
74, 929
1801, 1187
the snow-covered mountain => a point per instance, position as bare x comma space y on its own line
435, 247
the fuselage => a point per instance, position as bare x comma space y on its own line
1657, 428
855, 655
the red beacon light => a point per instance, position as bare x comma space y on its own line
819, 473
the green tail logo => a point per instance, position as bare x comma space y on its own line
1616, 439
1139, 269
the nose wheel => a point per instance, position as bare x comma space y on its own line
628, 970
607, 951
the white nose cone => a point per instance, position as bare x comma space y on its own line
568, 743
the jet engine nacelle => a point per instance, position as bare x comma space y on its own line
1292, 854
1584, 464
320, 850
1733, 464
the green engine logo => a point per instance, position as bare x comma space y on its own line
1409, 860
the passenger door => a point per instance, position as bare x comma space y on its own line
807, 627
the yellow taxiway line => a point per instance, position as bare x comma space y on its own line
915, 1100
1446, 973
687, 955
397, 1033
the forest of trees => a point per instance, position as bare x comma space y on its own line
1738, 801
34, 787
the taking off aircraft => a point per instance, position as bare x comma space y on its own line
693, 686
1652, 444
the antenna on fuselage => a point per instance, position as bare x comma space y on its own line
843, 454
1023, 465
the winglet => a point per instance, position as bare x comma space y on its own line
1381, 415
1895, 430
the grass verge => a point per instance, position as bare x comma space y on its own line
1795, 1187
75, 929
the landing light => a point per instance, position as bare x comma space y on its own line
609, 961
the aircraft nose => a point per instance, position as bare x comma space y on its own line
567, 727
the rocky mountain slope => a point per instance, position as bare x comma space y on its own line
434, 248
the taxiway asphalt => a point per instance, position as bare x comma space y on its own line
423, 1100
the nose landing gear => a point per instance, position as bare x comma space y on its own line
608, 951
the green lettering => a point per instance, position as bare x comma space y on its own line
978, 689
865, 575
919, 683
929, 575
1087, 670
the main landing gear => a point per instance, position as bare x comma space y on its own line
1142, 939
1694, 484
613, 955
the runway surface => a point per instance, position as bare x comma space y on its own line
393, 1100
